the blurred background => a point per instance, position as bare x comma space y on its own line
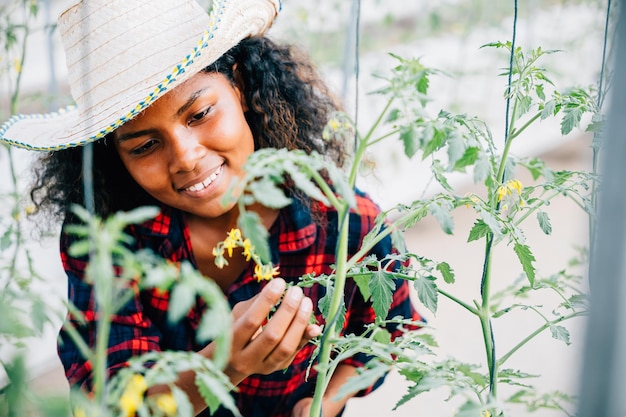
445, 34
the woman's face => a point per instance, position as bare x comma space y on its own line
186, 148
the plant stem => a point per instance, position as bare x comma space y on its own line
364, 143
14, 101
546, 325
336, 302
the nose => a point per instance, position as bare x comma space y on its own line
185, 152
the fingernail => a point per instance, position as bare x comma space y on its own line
294, 293
276, 286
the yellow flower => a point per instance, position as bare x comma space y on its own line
265, 272
502, 192
30, 209
17, 65
247, 249
515, 185
229, 245
79, 412
167, 404
234, 234
132, 398
485, 413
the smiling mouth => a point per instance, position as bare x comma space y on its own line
204, 184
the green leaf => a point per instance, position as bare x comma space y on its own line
540, 93
138, 215
5, 241
469, 158
436, 141
362, 281
571, 119
479, 230
526, 258
524, 104
182, 298
456, 147
427, 292
381, 286
446, 272
482, 168
443, 216
267, 193
407, 135
183, 406
252, 228
560, 333
544, 222
215, 394
364, 378
549, 109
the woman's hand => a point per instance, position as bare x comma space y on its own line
260, 346
329, 408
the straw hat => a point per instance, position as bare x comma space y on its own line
122, 55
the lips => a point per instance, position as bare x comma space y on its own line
206, 182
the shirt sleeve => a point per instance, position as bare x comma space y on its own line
131, 333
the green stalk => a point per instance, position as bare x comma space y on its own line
13, 173
527, 339
330, 332
364, 143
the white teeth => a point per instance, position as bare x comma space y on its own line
204, 184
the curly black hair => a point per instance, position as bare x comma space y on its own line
288, 107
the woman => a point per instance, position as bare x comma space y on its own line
174, 102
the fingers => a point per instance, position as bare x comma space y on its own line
251, 315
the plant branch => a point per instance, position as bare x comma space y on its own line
545, 326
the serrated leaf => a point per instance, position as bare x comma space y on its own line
362, 282
438, 171
456, 147
560, 333
393, 115
544, 222
427, 292
407, 135
492, 222
183, 406
479, 230
571, 119
435, 142
267, 193
252, 228
526, 258
469, 158
138, 215
381, 286
215, 394
443, 216
182, 298
482, 168
365, 378
549, 109
524, 104
446, 272
540, 92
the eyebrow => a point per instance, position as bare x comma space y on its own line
131, 135
192, 99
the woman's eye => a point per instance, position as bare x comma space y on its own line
144, 148
199, 116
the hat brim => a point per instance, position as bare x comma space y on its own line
72, 126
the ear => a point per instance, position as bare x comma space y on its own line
239, 87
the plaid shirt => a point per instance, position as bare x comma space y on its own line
299, 245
